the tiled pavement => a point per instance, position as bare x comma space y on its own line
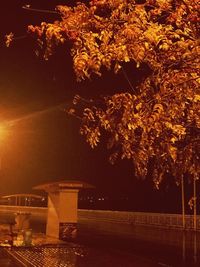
101, 245
50, 252
6, 260
73, 256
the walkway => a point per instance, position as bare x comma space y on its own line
110, 245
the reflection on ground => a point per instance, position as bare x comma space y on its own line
107, 245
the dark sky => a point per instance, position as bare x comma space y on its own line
43, 143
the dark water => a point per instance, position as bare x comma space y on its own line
123, 245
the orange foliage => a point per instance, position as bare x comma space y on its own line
160, 123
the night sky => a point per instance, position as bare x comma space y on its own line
42, 143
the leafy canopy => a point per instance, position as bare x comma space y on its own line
158, 124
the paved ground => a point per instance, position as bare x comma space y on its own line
76, 256
109, 245
165, 247
53, 253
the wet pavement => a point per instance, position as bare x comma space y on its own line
73, 255
6, 260
108, 245
164, 247
53, 253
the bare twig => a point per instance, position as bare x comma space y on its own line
129, 82
26, 7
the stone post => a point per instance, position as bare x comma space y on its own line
62, 214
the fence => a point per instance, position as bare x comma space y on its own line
140, 218
137, 218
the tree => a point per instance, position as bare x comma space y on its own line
157, 125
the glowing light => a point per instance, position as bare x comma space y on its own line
2, 132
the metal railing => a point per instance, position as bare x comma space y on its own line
137, 218
141, 218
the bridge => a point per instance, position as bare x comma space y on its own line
22, 199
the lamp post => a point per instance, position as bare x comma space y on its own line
195, 204
183, 201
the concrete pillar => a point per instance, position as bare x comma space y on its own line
62, 207
62, 214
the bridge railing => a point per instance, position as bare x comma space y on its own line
140, 218
137, 218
